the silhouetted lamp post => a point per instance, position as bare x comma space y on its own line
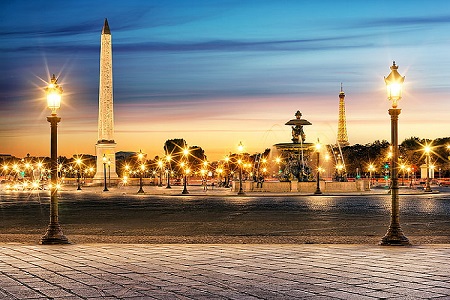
318, 146
160, 165
142, 168
394, 235
54, 234
427, 150
78, 161
227, 179
240, 150
109, 172
185, 170
105, 161
168, 158
371, 169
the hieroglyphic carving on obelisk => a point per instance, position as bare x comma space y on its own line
105, 147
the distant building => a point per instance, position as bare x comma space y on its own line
5, 156
124, 155
342, 137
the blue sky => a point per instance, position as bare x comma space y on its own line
219, 72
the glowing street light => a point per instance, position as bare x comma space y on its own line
54, 234
394, 83
318, 146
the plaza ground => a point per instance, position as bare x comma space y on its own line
217, 245
223, 271
220, 216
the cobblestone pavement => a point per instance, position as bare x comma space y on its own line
219, 271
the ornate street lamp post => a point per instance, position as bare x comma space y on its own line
427, 150
141, 170
54, 234
318, 146
240, 150
105, 161
394, 235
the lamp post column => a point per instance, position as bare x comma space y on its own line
318, 191
105, 189
394, 235
109, 172
78, 180
141, 170
141, 190
241, 191
185, 191
54, 234
168, 158
427, 185
240, 149
168, 179
185, 169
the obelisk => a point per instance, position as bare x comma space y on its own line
106, 146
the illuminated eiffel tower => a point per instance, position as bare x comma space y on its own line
342, 137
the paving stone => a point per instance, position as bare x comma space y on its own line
189, 271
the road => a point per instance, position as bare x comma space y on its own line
165, 216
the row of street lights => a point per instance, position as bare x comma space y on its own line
394, 235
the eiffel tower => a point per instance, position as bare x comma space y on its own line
342, 137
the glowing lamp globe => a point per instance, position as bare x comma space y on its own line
54, 92
240, 147
318, 146
394, 84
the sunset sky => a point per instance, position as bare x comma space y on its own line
219, 72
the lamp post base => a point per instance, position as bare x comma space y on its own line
318, 192
185, 191
395, 237
241, 192
54, 236
141, 191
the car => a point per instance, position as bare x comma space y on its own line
444, 183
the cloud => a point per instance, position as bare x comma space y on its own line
326, 43
405, 21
